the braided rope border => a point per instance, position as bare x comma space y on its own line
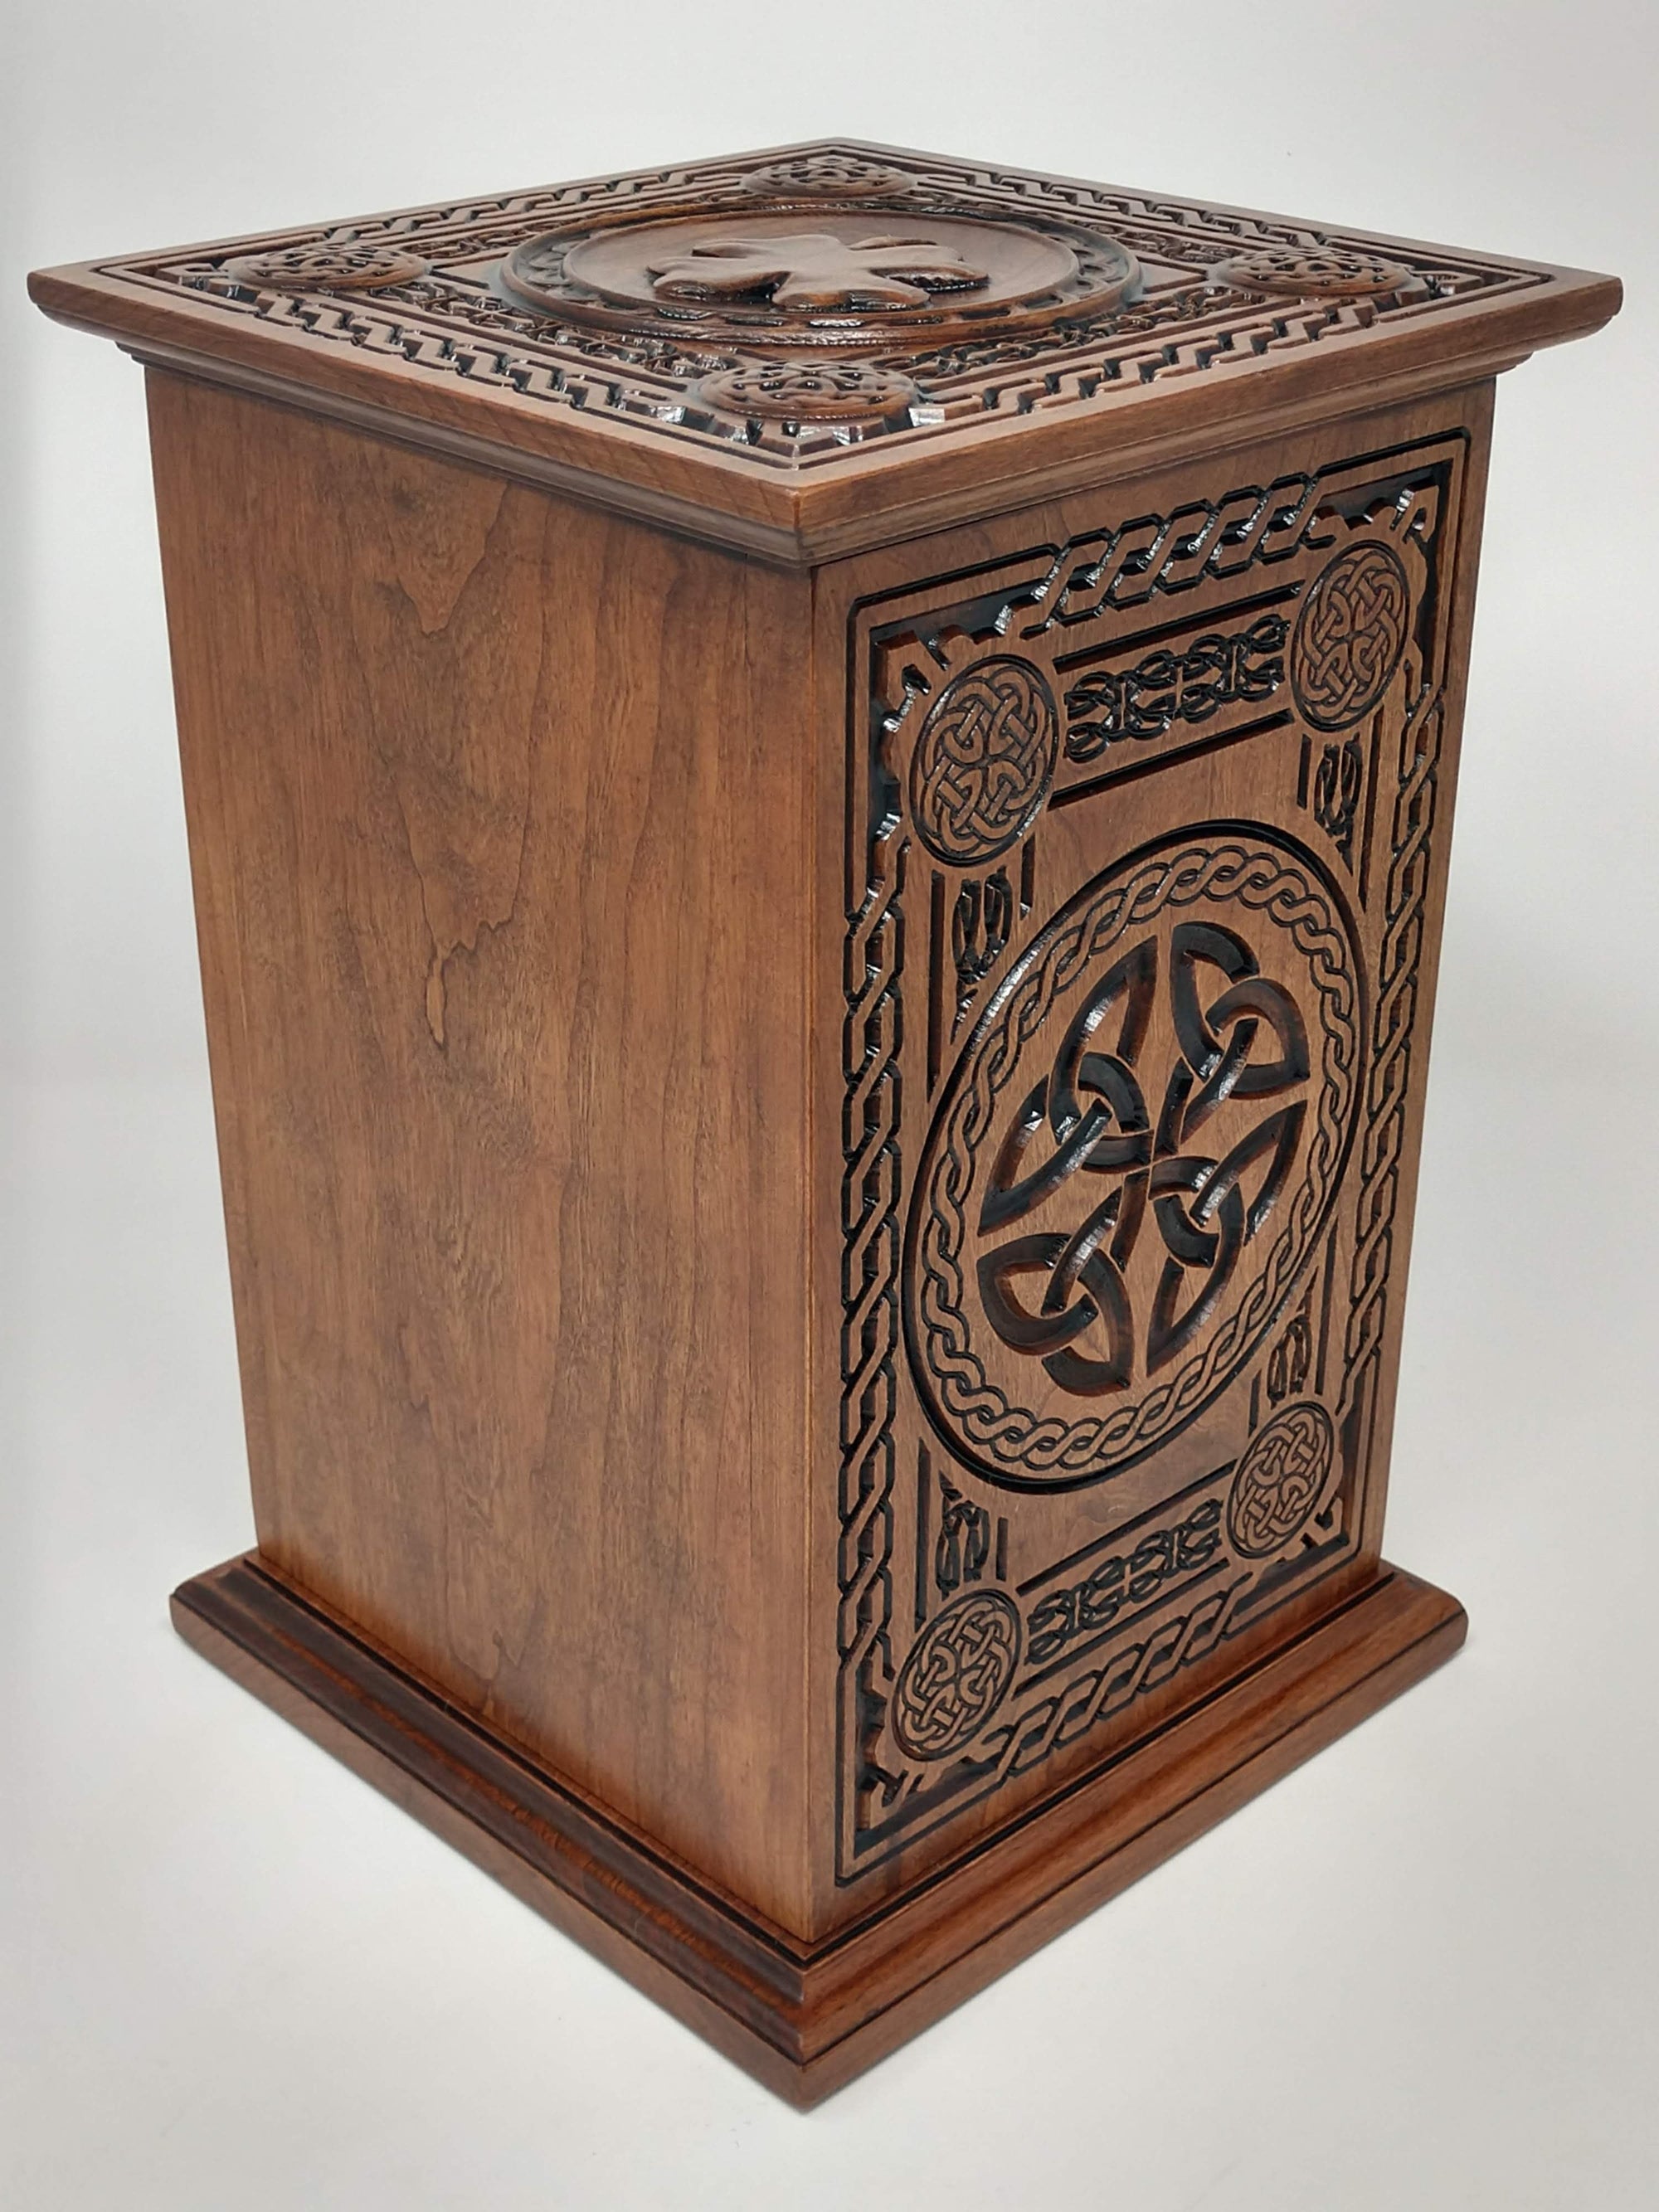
870, 1276
1388, 1085
1002, 1436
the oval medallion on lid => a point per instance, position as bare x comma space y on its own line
854, 279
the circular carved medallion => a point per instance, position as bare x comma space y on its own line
956, 1675
1311, 273
327, 267
1133, 1159
828, 177
1277, 1483
826, 275
983, 760
810, 390
1350, 635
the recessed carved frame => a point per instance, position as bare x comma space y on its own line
983, 1628
1221, 292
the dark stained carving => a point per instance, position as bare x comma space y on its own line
1107, 705
962, 1551
1291, 1356
1338, 782
981, 921
1206, 1209
1383, 1136
827, 176
1124, 1581
1165, 1639
870, 1269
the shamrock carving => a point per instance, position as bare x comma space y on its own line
815, 269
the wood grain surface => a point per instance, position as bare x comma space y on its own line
510, 1068
806, 2020
1238, 325
819, 903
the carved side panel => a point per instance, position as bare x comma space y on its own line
1138, 848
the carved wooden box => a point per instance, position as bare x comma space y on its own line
819, 789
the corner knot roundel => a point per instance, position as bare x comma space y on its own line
1310, 272
328, 265
1135, 1158
983, 760
1350, 635
956, 1675
1278, 1483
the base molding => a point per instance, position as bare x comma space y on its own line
805, 2019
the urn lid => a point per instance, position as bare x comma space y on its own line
803, 352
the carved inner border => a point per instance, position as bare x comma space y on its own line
450, 323
1053, 602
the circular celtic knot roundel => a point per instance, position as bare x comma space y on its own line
1310, 272
810, 390
328, 266
983, 760
957, 1675
827, 176
1133, 1159
1278, 1483
1350, 635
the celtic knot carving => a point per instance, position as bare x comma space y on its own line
1216, 670
983, 760
827, 177
963, 1550
1291, 1357
956, 1675
810, 390
1277, 1483
1350, 635
1198, 1202
1381, 1147
988, 989
1310, 272
1081, 345
1218, 1180
980, 926
870, 1263
1124, 1578
1338, 782
327, 265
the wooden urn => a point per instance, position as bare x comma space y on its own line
819, 790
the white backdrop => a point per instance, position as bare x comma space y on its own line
1421, 1972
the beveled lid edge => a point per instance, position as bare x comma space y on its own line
864, 495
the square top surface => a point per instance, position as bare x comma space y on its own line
808, 350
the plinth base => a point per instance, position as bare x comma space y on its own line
803, 2019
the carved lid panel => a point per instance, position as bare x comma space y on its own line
804, 352
839, 278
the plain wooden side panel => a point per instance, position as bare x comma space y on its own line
509, 1045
